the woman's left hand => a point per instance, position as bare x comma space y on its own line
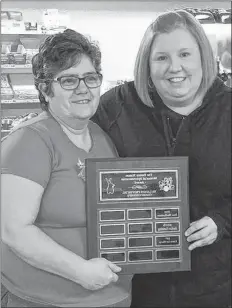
202, 232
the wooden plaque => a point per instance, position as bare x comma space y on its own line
137, 213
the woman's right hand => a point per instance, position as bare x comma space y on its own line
98, 273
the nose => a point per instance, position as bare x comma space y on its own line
82, 88
175, 64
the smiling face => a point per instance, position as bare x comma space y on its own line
175, 67
75, 107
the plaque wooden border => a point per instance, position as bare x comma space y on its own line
130, 186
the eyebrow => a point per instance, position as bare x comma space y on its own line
70, 74
182, 49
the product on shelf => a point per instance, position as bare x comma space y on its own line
4, 15
5, 81
31, 45
5, 51
54, 20
109, 84
6, 123
7, 94
16, 15
210, 15
29, 55
12, 22
24, 118
25, 92
17, 53
6, 90
31, 26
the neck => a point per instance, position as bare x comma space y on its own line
184, 109
67, 129
76, 127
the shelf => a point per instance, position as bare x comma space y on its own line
6, 105
34, 33
5, 130
16, 69
26, 33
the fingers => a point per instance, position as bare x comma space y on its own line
202, 232
114, 267
203, 242
114, 277
196, 225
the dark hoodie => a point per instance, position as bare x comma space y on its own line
205, 137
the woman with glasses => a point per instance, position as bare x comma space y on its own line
44, 261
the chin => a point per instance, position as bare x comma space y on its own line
180, 96
86, 116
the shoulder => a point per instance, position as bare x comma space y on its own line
221, 94
121, 94
218, 105
114, 102
43, 125
28, 153
33, 132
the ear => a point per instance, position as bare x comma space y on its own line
42, 87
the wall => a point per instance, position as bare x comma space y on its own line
118, 26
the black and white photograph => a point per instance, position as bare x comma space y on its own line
116, 154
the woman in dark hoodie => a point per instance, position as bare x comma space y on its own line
176, 106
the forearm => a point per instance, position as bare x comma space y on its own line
39, 250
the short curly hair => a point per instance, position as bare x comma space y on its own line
59, 52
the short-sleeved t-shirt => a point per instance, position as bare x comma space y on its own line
41, 152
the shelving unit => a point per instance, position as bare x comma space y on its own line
17, 72
124, 19
16, 68
31, 104
18, 107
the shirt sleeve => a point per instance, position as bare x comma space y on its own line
222, 217
26, 154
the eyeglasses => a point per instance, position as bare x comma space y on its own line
72, 82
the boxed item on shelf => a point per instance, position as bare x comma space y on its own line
4, 15
5, 59
22, 92
7, 94
23, 118
5, 53
31, 45
19, 58
5, 81
31, 26
7, 123
29, 54
54, 20
17, 54
16, 15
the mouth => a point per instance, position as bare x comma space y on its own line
176, 79
82, 102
